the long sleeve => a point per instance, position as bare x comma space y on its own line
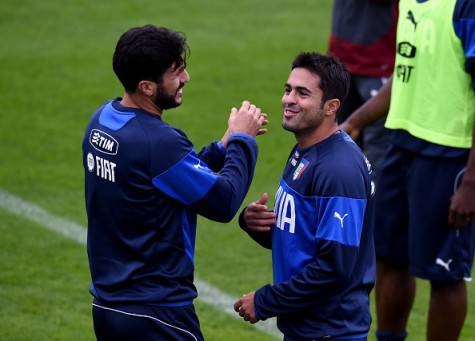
213, 155
320, 248
189, 180
340, 223
315, 285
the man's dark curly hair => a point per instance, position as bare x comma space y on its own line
145, 53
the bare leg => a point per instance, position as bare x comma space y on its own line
395, 292
448, 308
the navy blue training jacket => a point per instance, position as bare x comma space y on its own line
144, 186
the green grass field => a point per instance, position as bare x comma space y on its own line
56, 69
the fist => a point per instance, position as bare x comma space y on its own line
249, 119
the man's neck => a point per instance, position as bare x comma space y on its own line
136, 100
324, 131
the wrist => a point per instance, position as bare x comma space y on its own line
259, 305
224, 139
221, 146
241, 135
242, 221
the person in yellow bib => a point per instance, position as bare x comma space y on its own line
424, 204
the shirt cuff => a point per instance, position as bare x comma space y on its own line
221, 147
241, 135
257, 297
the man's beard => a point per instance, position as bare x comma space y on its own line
165, 101
306, 122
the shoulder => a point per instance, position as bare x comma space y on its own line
163, 137
342, 170
464, 9
168, 146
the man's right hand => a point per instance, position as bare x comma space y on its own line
258, 217
248, 119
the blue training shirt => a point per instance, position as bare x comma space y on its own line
322, 244
144, 186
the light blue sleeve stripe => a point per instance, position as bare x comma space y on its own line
187, 181
340, 219
114, 119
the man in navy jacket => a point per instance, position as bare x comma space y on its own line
145, 185
322, 245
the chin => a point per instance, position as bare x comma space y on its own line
288, 127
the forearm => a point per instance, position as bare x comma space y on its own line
226, 196
213, 155
317, 284
462, 205
373, 109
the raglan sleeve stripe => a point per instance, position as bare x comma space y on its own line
340, 219
186, 177
338, 236
187, 181
225, 197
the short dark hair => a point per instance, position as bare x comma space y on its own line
145, 53
334, 77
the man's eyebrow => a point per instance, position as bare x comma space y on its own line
180, 68
298, 88
302, 88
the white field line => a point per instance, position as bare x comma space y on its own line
207, 292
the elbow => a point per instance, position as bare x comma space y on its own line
223, 211
227, 214
230, 202
221, 203
221, 218
343, 276
218, 211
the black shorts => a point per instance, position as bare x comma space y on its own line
145, 322
411, 216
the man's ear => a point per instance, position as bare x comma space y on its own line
331, 106
147, 88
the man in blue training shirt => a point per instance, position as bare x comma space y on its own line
144, 186
322, 247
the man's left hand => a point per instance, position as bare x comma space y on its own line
462, 206
245, 307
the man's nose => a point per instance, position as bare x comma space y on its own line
289, 98
185, 77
